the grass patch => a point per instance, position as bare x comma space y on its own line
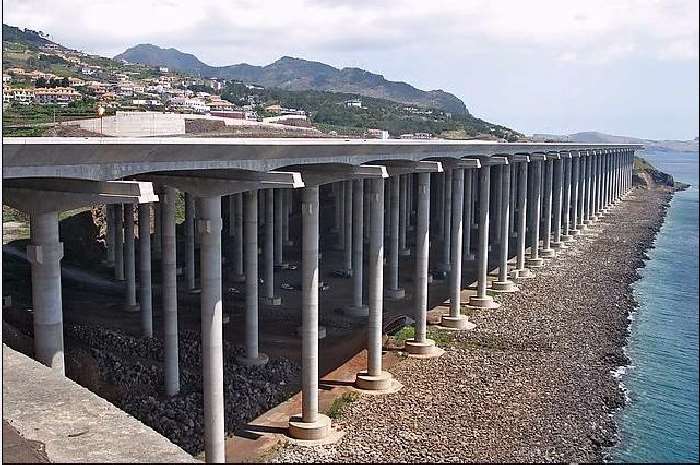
335, 411
441, 337
405, 333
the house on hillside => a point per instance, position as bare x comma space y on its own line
58, 95
353, 103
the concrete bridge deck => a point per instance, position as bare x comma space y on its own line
72, 423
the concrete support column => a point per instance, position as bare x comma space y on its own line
110, 236
250, 222
340, 204
374, 378
455, 319
189, 242
503, 283
547, 251
119, 242
420, 344
593, 208
145, 293
365, 211
534, 260
409, 201
277, 193
357, 308
481, 299
269, 250
467, 254
403, 214
387, 211
447, 217
558, 202
45, 253
394, 292
499, 205
209, 229
310, 424
349, 226
581, 196
521, 271
513, 200
574, 196
440, 201
287, 198
169, 291
130, 259
157, 230
567, 225
237, 219
589, 187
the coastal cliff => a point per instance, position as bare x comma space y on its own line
646, 175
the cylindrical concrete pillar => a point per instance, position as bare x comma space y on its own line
119, 242
547, 251
420, 344
447, 220
44, 253
467, 254
498, 201
145, 292
481, 299
349, 226
580, 213
340, 203
503, 284
522, 272
269, 283
534, 260
238, 275
277, 193
403, 214
365, 211
513, 201
387, 211
250, 223
210, 225
394, 291
440, 200
566, 213
558, 201
110, 236
455, 319
310, 424
574, 196
374, 378
358, 199
285, 217
189, 241
157, 230
169, 291
129, 259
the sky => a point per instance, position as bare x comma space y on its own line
625, 67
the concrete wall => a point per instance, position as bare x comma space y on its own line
137, 124
74, 424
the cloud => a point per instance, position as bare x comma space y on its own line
593, 31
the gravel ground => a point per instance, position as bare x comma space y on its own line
133, 367
533, 381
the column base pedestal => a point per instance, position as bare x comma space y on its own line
547, 253
581, 227
367, 382
356, 311
483, 302
557, 245
460, 322
566, 238
132, 308
523, 273
499, 287
534, 262
272, 301
425, 349
260, 361
405, 252
395, 294
316, 430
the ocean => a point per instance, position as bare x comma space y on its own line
660, 421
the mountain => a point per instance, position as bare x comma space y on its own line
290, 73
593, 137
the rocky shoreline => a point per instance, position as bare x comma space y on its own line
534, 381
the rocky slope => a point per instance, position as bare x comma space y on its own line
297, 74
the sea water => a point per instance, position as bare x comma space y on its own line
660, 422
